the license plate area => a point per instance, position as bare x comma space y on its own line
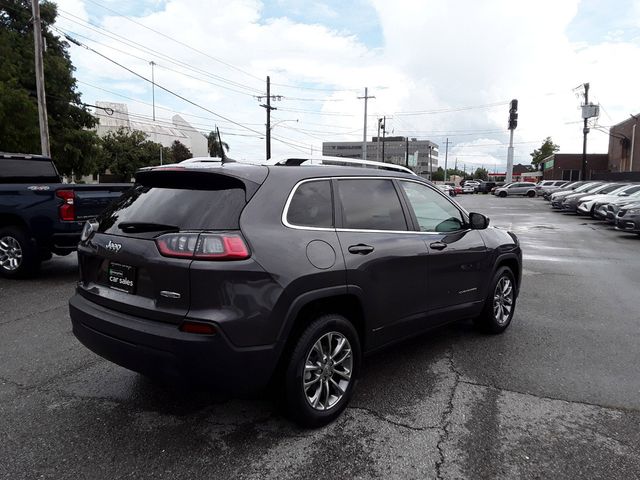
121, 277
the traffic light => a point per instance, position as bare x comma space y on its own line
513, 114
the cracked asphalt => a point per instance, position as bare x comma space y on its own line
556, 396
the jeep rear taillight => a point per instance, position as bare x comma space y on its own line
203, 246
67, 211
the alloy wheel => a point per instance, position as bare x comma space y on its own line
503, 300
327, 371
10, 254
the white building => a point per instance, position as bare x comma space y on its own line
163, 132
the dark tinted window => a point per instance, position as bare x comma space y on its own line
311, 205
184, 208
371, 205
25, 170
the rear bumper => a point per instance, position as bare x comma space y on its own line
65, 241
161, 350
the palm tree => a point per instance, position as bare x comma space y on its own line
216, 147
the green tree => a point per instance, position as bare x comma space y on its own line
438, 175
123, 152
74, 147
179, 152
547, 148
216, 148
481, 174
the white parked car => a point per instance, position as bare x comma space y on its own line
586, 205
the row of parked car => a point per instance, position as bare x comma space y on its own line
617, 203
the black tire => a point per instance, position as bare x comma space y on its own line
299, 408
489, 321
531, 194
17, 241
502, 194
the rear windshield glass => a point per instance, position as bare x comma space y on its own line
184, 208
27, 170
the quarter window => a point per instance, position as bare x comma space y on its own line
311, 205
433, 212
371, 204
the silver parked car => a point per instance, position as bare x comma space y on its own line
517, 188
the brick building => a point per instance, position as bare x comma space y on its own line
568, 166
624, 146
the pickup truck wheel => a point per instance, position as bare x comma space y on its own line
500, 303
322, 370
18, 255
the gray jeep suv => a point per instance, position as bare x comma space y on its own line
239, 275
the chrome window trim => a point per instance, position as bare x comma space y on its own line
285, 210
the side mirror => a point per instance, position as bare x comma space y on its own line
478, 221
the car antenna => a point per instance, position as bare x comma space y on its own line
223, 155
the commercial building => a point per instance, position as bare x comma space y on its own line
624, 146
520, 173
390, 150
568, 166
113, 116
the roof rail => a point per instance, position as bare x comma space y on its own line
338, 161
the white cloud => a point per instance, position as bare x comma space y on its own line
436, 55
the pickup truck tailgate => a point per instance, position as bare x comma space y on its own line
91, 200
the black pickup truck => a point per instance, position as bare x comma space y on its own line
39, 215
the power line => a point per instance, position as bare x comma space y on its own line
71, 39
176, 41
157, 107
147, 50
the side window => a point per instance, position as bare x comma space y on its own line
434, 212
370, 205
311, 205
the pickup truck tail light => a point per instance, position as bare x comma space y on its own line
67, 211
203, 246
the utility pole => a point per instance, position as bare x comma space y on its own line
39, 66
446, 155
364, 134
378, 141
153, 88
585, 131
268, 107
384, 131
406, 158
513, 123
430, 164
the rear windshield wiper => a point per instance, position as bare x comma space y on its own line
147, 227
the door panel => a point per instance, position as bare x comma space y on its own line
382, 256
393, 275
457, 271
458, 258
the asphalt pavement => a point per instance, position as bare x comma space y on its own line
556, 396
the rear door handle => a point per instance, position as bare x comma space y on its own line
438, 245
361, 249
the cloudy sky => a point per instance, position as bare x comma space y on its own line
438, 69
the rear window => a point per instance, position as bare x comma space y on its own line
187, 209
311, 205
371, 205
23, 170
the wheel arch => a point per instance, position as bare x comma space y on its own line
514, 264
340, 300
10, 220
